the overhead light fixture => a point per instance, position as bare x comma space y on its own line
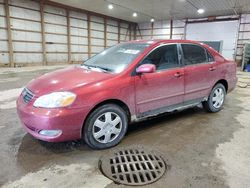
152, 20
200, 11
134, 14
110, 6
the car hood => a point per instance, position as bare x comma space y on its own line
65, 80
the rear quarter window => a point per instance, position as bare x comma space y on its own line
193, 54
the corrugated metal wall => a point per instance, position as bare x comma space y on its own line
4, 55
162, 30
49, 34
240, 36
243, 36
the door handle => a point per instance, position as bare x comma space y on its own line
178, 74
212, 68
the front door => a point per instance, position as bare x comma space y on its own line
163, 88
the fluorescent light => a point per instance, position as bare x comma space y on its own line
134, 14
152, 20
200, 11
110, 6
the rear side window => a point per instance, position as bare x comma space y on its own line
193, 54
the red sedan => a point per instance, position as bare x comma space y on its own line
126, 83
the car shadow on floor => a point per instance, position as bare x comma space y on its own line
30, 144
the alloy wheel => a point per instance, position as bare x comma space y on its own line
107, 127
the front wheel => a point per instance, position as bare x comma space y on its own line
105, 127
216, 99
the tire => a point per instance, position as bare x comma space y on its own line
210, 104
107, 121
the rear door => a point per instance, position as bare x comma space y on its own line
199, 71
163, 88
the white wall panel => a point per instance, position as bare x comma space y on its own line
96, 49
79, 40
78, 32
79, 57
146, 32
27, 39
2, 22
56, 48
78, 23
24, 13
112, 22
177, 37
29, 36
4, 58
2, 11
161, 31
112, 29
55, 10
3, 34
55, 29
79, 15
97, 19
111, 42
245, 35
179, 23
178, 30
79, 48
97, 26
97, 41
55, 38
112, 36
123, 31
125, 25
57, 58
215, 31
3, 46
245, 27
25, 46
26, 25
27, 58
25, 3
98, 34
51, 18
145, 25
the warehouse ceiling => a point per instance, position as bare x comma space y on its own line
161, 9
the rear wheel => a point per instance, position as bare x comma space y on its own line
105, 127
216, 99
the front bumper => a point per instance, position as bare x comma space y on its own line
68, 120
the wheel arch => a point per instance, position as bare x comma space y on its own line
223, 82
118, 102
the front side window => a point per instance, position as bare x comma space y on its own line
164, 57
193, 54
116, 58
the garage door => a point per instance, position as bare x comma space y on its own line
216, 31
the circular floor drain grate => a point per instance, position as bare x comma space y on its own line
133, 166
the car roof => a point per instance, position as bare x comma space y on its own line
155, 41
159, 41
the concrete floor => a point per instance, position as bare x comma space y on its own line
203, 149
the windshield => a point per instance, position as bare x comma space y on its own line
116, 58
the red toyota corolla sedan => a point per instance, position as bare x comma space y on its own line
126, 83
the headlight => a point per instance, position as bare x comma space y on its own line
55, 100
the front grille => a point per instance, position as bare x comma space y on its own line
27, 95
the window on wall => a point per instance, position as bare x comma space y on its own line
164, 57
193, 54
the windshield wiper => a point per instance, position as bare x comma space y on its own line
99, 67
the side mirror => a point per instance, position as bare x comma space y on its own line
146, 68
